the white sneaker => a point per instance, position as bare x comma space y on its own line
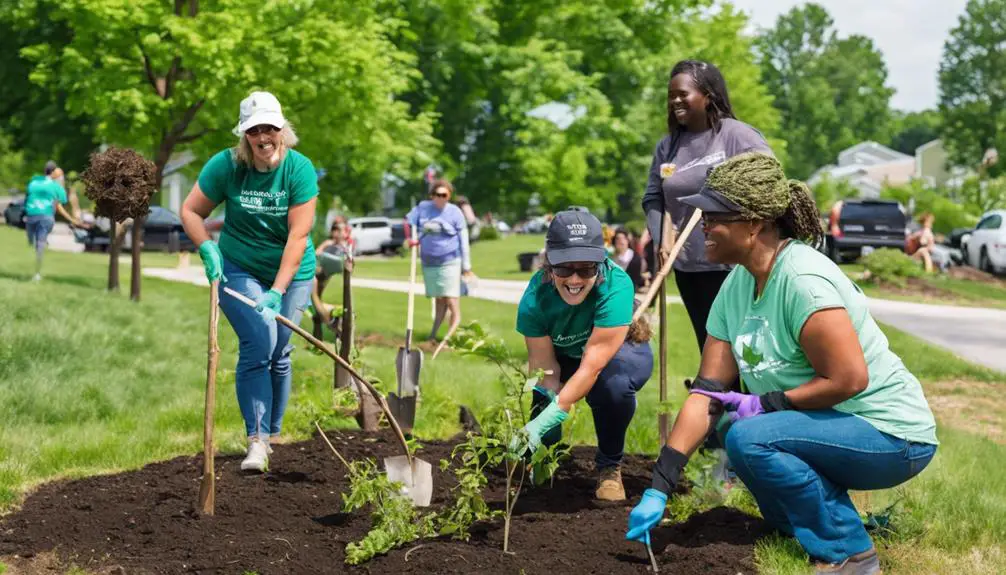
37, 278
257, 459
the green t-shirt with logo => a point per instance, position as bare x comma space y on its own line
764, 334
255, 217
543, 312
42, 195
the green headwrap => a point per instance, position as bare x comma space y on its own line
755, 182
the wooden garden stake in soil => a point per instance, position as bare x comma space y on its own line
207, 488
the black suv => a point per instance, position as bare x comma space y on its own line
857, 224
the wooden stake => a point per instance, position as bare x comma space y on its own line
665, 269
208, 486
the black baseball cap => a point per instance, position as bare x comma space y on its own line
710, 201
574, 236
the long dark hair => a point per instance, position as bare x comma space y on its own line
710, 82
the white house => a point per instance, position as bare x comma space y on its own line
867, 166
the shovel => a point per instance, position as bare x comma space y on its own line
408, 362
658, 285
415, 475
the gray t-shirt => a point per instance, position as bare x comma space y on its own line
697, 153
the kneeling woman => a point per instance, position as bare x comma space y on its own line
575, 317
830, 407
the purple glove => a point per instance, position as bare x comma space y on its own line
738, 405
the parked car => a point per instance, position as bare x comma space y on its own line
393, 245
13, 214
371, 233
162, 231
856, 227
986, 248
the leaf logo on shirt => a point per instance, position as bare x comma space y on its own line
750, 357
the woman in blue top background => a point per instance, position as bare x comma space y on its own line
444, 249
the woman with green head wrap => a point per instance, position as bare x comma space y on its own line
828, 406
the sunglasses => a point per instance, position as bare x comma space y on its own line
262, 129
441, 195
567, 271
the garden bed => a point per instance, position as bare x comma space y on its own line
290, 521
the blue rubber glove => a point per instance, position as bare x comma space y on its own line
213, 261
549, 417
269, 304
646, 515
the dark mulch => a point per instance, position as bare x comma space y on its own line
289, 521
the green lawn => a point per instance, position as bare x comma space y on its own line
92, 383
493, 259
958, 291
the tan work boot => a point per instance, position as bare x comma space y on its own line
865, 563
609, 485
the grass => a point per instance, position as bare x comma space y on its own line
958, 291
92, 383
493, 259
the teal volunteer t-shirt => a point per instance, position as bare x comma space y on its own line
543, 312
764, 335
42, 195
255, 218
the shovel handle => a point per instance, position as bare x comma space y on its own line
658, 280
413, 250
342, 362
207, 488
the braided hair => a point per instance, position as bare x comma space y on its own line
757, 184
710, 82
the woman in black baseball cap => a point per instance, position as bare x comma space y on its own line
575, 316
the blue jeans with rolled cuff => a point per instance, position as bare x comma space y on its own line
799, 465
264, 370
612, 400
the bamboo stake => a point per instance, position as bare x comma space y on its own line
208, 486
658, 280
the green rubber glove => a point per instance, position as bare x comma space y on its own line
549, 417
269, 304
213, 261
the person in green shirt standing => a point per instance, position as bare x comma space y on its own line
44, 197
828, 407
575, 317
269, 193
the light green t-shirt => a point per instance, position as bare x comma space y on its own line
42, 195
543, 312
765, 337
255, 217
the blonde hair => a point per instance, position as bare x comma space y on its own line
242, 153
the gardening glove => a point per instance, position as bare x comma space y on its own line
213, 261
744, 405
549, 418
269, 304
650, 510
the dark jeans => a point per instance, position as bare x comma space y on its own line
612, 400
698, 290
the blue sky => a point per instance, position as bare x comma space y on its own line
910, 33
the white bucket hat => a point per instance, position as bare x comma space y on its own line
259, 108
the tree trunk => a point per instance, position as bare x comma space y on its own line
113, 258
134, 281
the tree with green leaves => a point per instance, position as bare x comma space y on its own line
913, 129
832, 92
972, 82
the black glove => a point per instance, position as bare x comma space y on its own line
667, 470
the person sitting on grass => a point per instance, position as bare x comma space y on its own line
828, 408
44, 197
265, 253
921, 242
575, 317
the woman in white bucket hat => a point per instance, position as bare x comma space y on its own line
265, 252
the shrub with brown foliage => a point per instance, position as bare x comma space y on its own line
120, 182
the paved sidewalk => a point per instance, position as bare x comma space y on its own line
976, 334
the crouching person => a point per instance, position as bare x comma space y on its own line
575, 316
829, 406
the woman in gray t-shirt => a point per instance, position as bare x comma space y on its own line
701, 133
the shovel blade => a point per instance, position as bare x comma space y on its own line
404, 411
407, 366
416, 480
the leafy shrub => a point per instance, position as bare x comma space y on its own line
488, 233
890, 266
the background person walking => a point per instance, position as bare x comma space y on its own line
44, 197
444, 250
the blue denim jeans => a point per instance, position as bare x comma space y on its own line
38, 228
612, 400
264, 371
799, 465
